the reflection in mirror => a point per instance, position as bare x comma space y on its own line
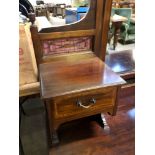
60, 13
121, 37
122, 26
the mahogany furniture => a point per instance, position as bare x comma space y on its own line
116, 25
74, 80
94, 25
77, 86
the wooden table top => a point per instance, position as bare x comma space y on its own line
75, 73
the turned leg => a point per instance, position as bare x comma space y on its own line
110, 35
117, 26
116, 34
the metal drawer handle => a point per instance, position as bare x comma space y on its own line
92, 101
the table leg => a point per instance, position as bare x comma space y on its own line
110, 35
51, 125
117, 26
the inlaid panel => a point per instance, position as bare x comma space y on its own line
66, 45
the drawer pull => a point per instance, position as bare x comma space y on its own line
92, 101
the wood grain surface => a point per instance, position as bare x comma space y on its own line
75, 73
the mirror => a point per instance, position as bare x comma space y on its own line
121, 38
122, 26
61, 13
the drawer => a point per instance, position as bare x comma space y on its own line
86, 103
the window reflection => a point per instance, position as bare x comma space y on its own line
117, 68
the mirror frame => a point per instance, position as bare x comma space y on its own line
95, 24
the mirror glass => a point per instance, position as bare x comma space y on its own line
60, 12
121, 35
120, 53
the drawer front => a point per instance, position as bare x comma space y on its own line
86, 104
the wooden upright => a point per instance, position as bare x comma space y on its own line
74, 80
